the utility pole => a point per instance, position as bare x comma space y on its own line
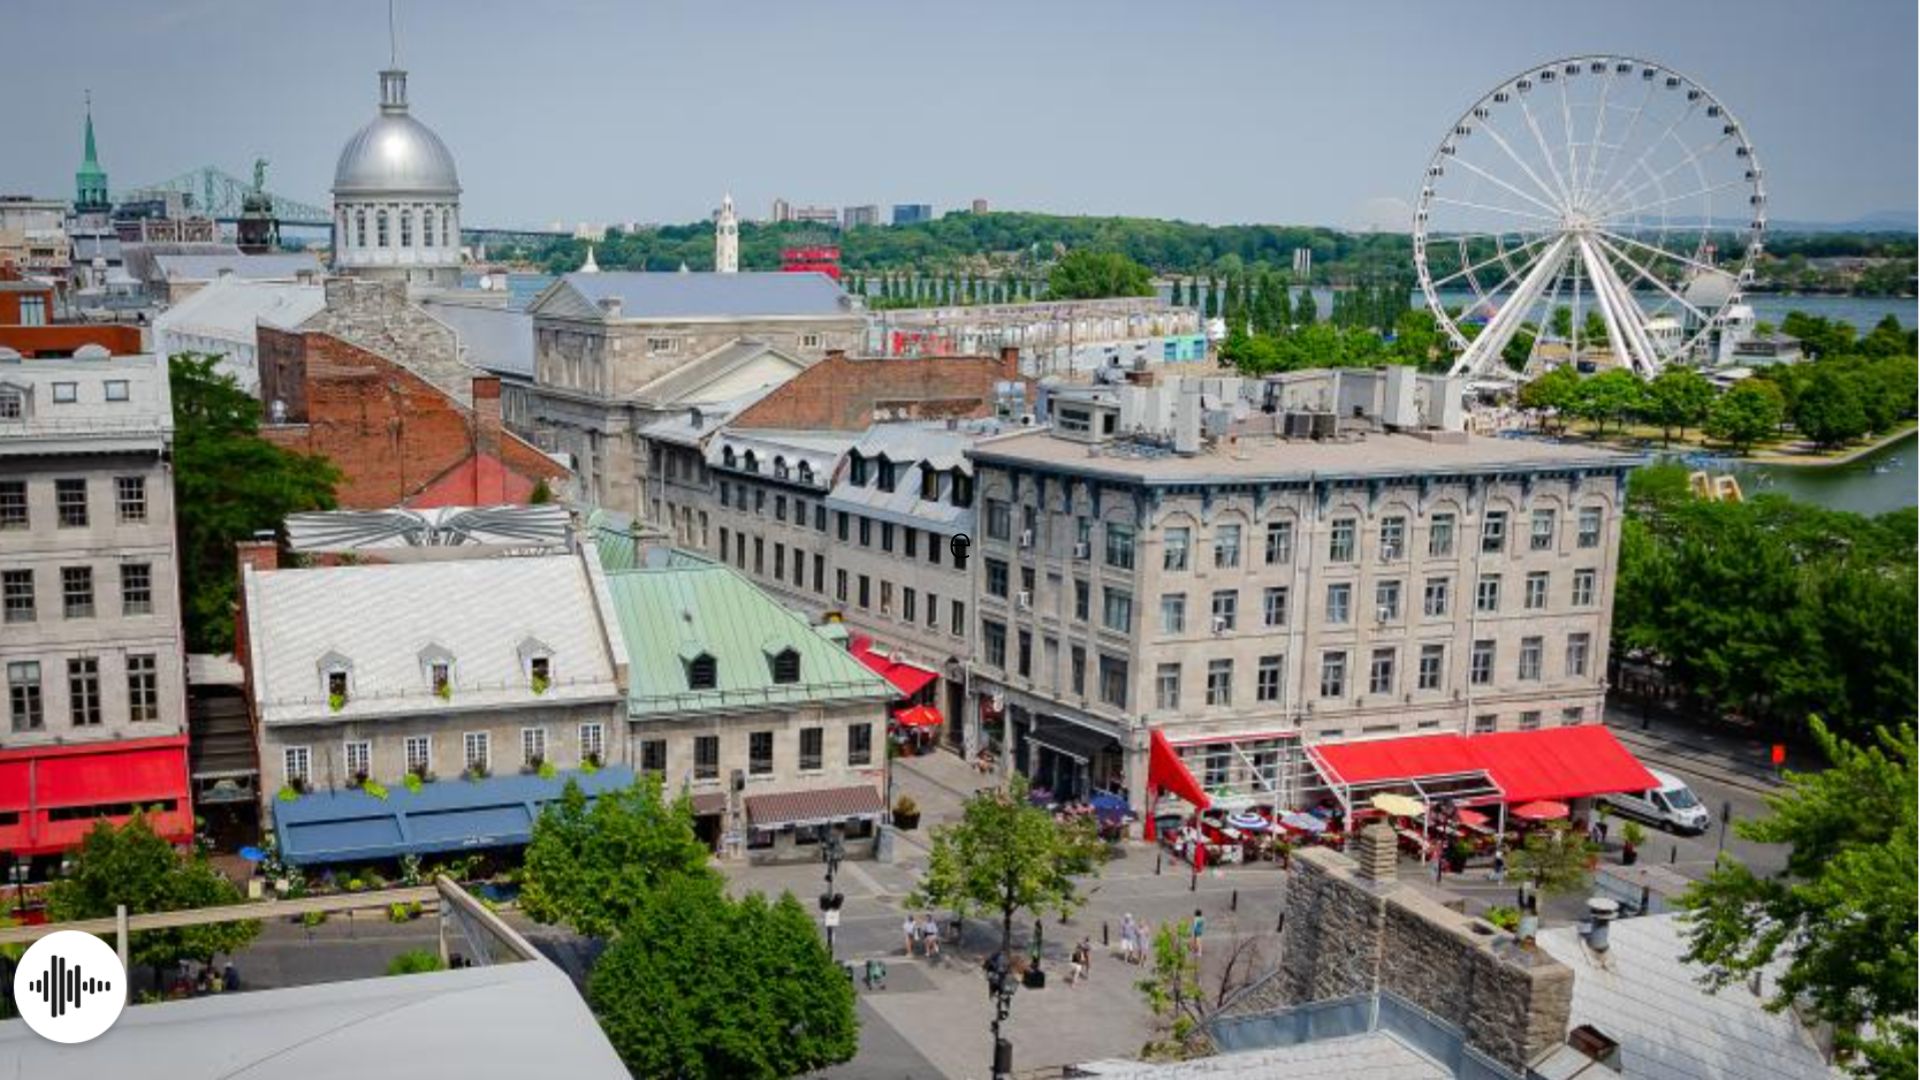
830, 901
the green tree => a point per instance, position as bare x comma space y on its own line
590, 866
1213, 297
414, 961
1830, 409
1556, 389
1554, 860
1088, 275
228, 484
1609, 397
1841, 918
701, 986
1004, 856
1678, 398
1746, 414
1304, 310
132, 865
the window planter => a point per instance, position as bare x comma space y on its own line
336, 702
540, 683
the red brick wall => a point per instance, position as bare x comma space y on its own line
62, 339
841, 393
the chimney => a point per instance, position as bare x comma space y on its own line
262, 553
489, 472
1601, 911
1010, 361
610, 306
1377, 852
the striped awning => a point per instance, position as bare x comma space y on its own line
818, 807
708, 803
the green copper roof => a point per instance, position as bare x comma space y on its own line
692, 606
90, 182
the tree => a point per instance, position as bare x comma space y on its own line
1212, 308
228, 484
1612, 395
1173, 989
1677, 399
702, 986
1829, 410
132, 865
1090, 275
1841, 918
1304, 311
1555, 389
1554, 860
1746, 414
413, 962
590, 867
1005, 855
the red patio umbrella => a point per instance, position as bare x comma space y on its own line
1541, 810
1474, 818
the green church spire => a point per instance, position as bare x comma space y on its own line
90, 182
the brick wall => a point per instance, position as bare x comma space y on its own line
842, 393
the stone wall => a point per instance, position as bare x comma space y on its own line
1349, 933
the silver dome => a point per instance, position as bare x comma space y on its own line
395, 154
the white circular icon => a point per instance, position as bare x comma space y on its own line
70, 986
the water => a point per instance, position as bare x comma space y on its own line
1861, 311
1884, 480
521, 288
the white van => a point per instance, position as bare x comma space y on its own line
1671, 805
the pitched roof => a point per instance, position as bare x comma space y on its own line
918, 446
1641, 994
1375, 1055
843, 393
705, 296
283, 265
496, 339
689, 606
723, 374
232, 308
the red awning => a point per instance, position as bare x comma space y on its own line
919, 716
906, 678
1166, 772
1553, 763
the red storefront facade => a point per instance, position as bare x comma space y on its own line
51, 796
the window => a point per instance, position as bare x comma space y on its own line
760, 753
13, 504
779, 562
117, 389
1589, 527
33, 311
359, 758
1440, 536
840, 524
909, 606
1536, 595
130, 494
1173, 613
1173, 556
913, 543
819, 573
13, 406
1541, 538
478, 747
1487, 595
653, 756
1434, 602
706, 757
996, 578
1433, 666
16, 595
76, 591
419, 750
1583, 588
703, 673
1530, 720
840, 586
1339, 603
23, 696
1082, 600
1117, 613
866, 532
1578, 646
1113, 681
1386, 601
70, 499
540, 671
958, 625
1077, 661
929, 483
336, 681
1573, 714
1270, 678
1273, 606
933, 610
143, 687
860, 745
406, 228
866, 591
1083, 534
1279, 542
533, 747
359, 228
1480, 664
962, 494
426, 229
66, 393
1226, 611
1220, 682
1166, 688
1340, 541
1493, 531
886, 475
1226, 547
1485, 724
1216, 761
999, 520
1120, 546
1023, 655
786, 666
1393, 539
298, 763
886, 536
779, 508
1333, 674
813, 743
993, 640
380, 227
1530, 650
593, 742
1380, 671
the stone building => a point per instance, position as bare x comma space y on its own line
601, 340
396, 198
90, 637
1253, 567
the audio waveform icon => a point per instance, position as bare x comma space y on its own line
63, 987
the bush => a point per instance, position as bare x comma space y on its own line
1504, 917
312, 919
288, 793
374, 788
412, 783
905, 806
414, 961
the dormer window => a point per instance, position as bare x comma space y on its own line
780, 467
727, 458
886, 474
536, 659
786, 666
441, 676
336, 679
703, 673
13, 404
857, 469
806, 473
929, 483
962, 489
751, 462
337, 685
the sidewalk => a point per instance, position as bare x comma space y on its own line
1662, 737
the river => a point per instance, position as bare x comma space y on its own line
1884, 480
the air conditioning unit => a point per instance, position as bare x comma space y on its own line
1026, 538
1383, 613
1026, 600
1083, 550
1219, 624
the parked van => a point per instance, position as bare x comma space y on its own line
1671, 805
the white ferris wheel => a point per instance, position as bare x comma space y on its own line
1598, 209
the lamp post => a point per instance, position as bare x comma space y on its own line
18, 874
1001, 984
831, 852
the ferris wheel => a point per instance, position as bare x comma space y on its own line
1598, 209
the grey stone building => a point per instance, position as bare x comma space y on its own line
1253, 567
602, 339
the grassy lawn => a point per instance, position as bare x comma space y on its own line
1785, 450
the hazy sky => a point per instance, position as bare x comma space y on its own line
606, 111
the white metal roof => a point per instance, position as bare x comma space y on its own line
1376, 1055
231, 308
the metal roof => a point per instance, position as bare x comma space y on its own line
231, 309
693, 606
1376, 1055
476, 529
706, 296
143, 422
395, 153
497, 339
280, 265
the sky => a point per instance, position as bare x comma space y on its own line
607, 111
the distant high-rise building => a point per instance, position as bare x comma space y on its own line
979, 206
859, 215
912, 213
782, 211
1302, 264
726, 238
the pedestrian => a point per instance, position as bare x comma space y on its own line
930, 935
1078, 965
1086, 956
233, 977
1499, 873
1439, 869
1602, 825
911, 931
1199, 927
1129, 943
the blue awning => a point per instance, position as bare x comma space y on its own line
446, 815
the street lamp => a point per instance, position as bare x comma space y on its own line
18, 874
831, 851
1001, 984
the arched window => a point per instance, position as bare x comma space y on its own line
702, 672
426, 229
380, 228
780, 466
406, 228
786, 666
446, 228
751, 462
726, 456
359, 228
806, 473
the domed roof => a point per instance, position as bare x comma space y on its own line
395, 154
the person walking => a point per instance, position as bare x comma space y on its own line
1077, 968
930, 935
1129, 943
1499, 873
911, 931
1199, 928
1142, 941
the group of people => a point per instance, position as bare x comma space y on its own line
208, 980
922, 934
